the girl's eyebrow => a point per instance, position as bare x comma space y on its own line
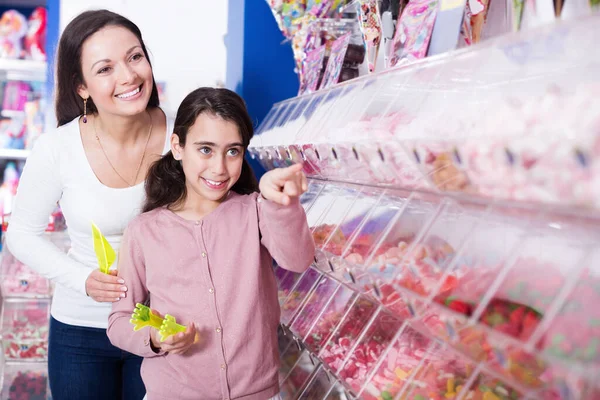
237, 144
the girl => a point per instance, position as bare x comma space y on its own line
110, 130
202, 253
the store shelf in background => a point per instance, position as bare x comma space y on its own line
502, 120
12, 113
14, 154
23, 70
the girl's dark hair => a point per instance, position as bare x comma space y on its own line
165, 183
69, 76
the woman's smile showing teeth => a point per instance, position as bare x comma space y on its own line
131, 94
215, 184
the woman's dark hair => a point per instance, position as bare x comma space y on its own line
69, 76
165, 183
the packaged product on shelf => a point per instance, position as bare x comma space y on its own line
299, 376
298, 295
369, 349
370, 26
25, 381
413, 31
25, 329
13, 28
16, 94
311, 70
475, 16
35, 39
335, 61
287, 14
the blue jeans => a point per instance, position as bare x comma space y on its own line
83, 364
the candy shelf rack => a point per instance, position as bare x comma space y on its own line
454, 207
513, 119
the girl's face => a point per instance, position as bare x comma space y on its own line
212, 157
117, 75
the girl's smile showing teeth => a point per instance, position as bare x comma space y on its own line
215, 184
130, 95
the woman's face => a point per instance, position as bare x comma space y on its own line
116, 73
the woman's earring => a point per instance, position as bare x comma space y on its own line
85, 111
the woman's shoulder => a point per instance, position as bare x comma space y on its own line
56, 139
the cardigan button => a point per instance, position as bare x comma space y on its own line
203, 255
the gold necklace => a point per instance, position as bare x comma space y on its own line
137, 171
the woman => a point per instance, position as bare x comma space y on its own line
110, 129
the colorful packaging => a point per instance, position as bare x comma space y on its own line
312, 66
336, 60
288, 14
414, 31
370, 26
318, 8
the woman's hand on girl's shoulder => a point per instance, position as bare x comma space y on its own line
283, 185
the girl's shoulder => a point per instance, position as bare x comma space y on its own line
244, 200
144, 219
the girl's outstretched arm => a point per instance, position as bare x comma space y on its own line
132, 269
282, 220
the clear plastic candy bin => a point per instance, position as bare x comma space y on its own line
25, 381
19, 280
24, 324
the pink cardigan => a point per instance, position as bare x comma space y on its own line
218, 273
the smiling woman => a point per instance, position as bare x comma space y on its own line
110, 130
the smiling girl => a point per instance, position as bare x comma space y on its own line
110, 130
203, 252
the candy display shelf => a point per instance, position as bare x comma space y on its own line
24, 318
14, 154
23, 70
454, 206
513, 119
